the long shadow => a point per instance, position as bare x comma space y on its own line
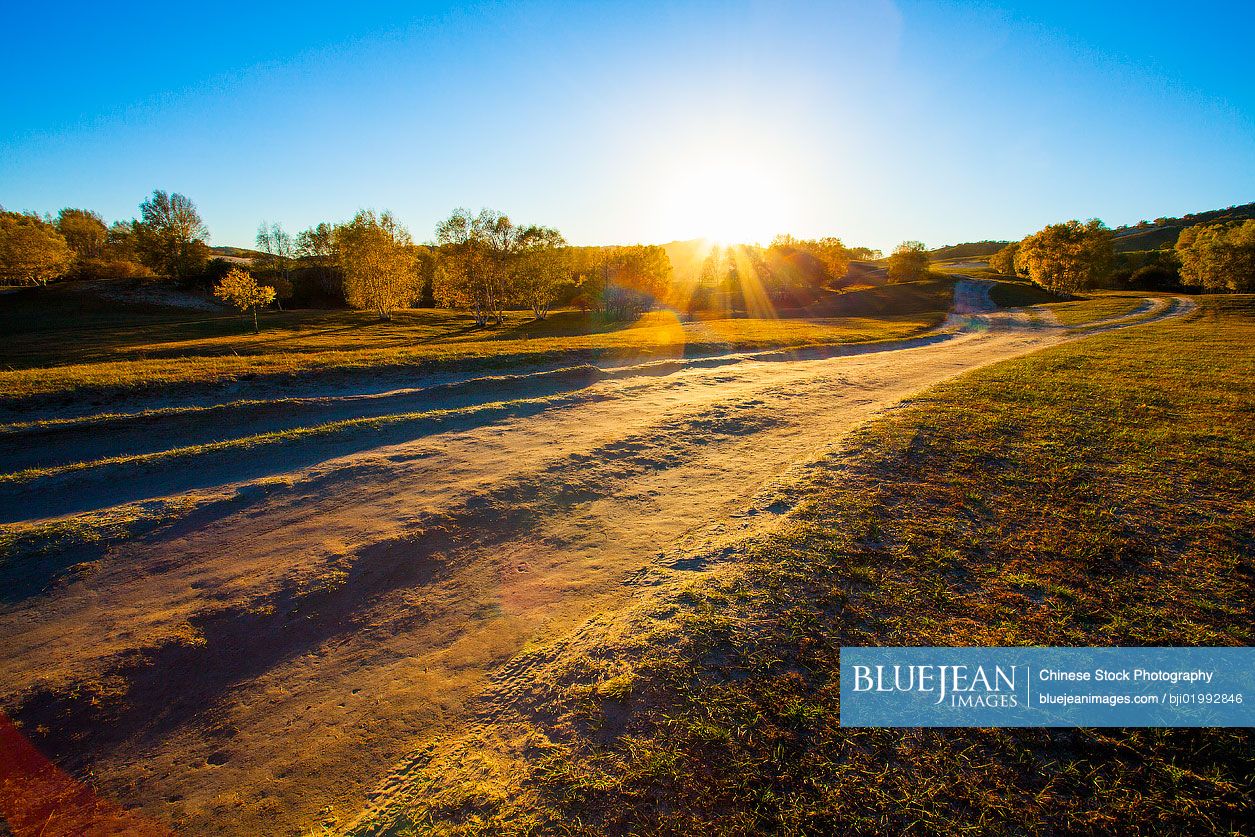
130, 435
255, 340
90, 399
34, 565
119, 483
457, 332
253, 344
563, 324
88, 440
176, 684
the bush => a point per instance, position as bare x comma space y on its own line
909, 262
620, 304
110, 269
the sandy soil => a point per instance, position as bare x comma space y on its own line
261, 664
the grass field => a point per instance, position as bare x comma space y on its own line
1096, 493
1093, 306
1099, 307
63, 345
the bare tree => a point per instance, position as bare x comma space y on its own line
277, 244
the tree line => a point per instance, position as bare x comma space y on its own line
789, 273
483, 262
1074, 256
169, 238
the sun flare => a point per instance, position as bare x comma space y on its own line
728, 198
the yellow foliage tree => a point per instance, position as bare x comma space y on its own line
1067, 258
31, 250
1003, 261
240, 289
1219, 257
377, 256
908, 262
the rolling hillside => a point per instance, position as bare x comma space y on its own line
1164, 231
967, 250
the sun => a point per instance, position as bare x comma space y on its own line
727, 197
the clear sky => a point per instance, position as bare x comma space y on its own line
873, 121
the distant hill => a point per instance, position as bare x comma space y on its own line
967, 250
687, 258
1163, 232
1147, 235
234, 253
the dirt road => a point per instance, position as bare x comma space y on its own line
258, 665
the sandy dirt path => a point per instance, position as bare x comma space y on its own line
262, 668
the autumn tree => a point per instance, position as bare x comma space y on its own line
1218, 257
375, 254
1067, 258
908, 262
501, 239
472, 272
170, 235
84, 231
797, 267
1003, 261
238, 288
834, 256
120, 241
631, 279
32, 252
458, 280
541, 269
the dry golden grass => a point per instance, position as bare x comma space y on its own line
1098, 307
1092, 494
55, 353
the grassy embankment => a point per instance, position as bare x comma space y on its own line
62, 345
1093, 306
1092, 494
1098, 307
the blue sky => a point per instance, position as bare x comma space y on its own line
873, 121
